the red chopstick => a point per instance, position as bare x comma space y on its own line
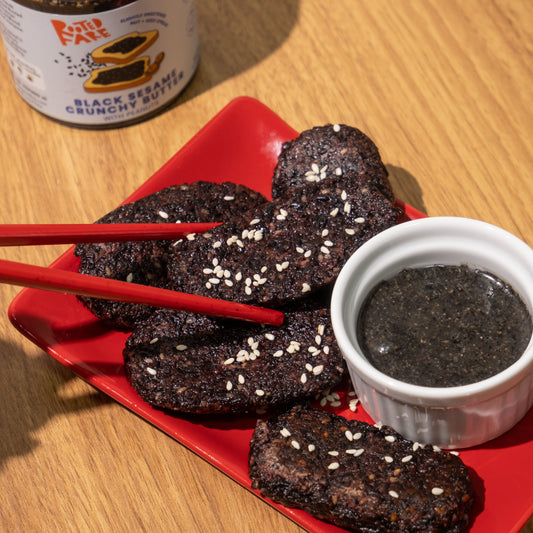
73, 283
30, 234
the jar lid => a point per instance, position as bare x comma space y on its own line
73, 7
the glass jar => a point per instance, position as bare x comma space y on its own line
100, 63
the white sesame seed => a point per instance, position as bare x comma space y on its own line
300, 250
307, 254
388, 459
407, 458
229, 198
303, 378
317, 370
163, 214
390, 438
295, 444
181, 347
393, 494
278, 353
334, 453
436, 491
217, 244
306, 287
311, 447
326, 350
334, 212
357, 436
269, 336
336, 128
359, 220
338, 171
254, 221
348, 434
229, 361
349, 231
229, 385
356, 452
129, 277
324, 250
328, 243
260, 392
238, 276
153, 341
352, 404
241, 379
333, 466
318, 339
191, 236
285, 432
151, 371
436, 448
248, 291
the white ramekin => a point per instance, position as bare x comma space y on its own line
449, 417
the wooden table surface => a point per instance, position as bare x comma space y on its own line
444, 88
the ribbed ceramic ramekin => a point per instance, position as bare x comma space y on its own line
449, 417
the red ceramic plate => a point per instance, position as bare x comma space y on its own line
241, 144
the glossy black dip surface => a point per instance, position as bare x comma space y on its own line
443, 326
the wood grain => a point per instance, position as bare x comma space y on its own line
442, 86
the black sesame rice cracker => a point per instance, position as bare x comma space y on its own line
232, 368
332, 151
145, 262
284, 249
357, 476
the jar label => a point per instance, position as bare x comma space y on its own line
103, 68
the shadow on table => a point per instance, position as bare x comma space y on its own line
252, 30
406, 187
30, 396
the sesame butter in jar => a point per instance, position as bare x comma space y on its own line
100, 63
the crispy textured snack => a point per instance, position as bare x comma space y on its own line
358, 476
324, 152
223, 367
284, 249
145, 262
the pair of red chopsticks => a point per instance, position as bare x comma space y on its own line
122, 291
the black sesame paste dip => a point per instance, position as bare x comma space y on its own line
443, 326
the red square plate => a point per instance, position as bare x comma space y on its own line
241, 144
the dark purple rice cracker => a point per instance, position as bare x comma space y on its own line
145, 262
284, 249
237, 369
358, 476
332, 151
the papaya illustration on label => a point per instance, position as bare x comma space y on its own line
127, 69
